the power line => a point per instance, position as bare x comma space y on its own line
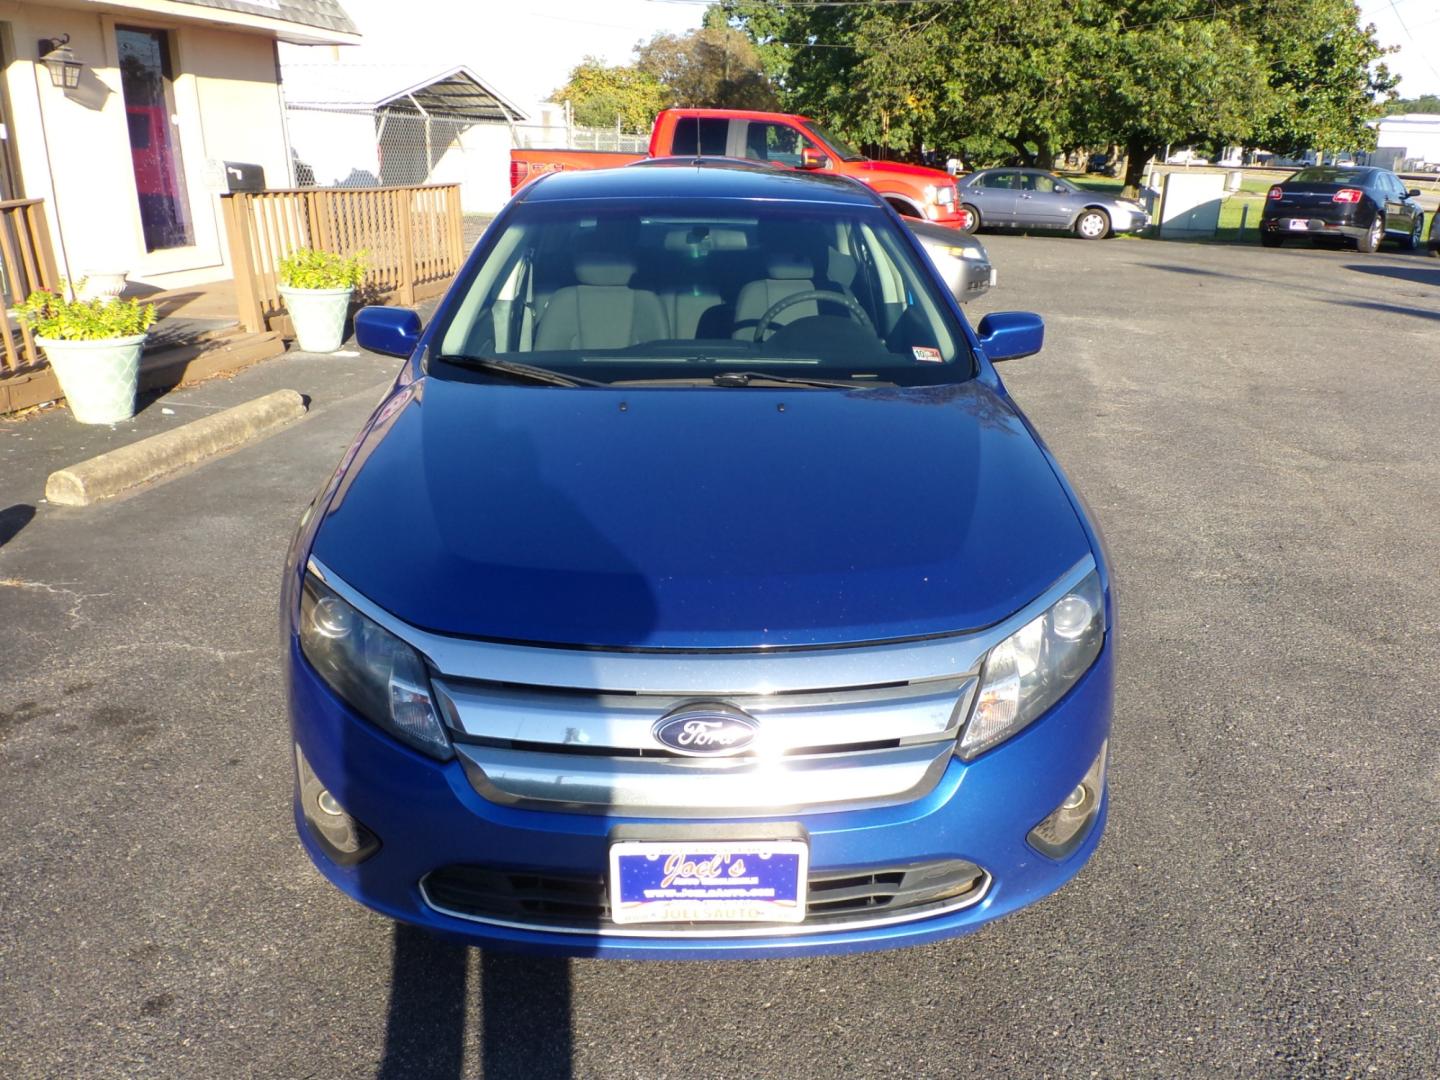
1401, 20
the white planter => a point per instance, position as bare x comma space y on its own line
318, 316
103, 284
98, 377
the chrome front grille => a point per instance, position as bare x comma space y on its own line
572, 729
596, 752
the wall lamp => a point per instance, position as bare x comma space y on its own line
64, 65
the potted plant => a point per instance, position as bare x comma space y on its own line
94, 348
316, 287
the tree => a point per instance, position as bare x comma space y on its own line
1425, 103
600, 95
712, 67
1037, 76
1324, 77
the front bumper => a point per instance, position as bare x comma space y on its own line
427, 816
1134, 222
951, 215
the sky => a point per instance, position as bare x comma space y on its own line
1408, 24
526, 48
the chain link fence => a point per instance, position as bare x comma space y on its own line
562, 136
338, 147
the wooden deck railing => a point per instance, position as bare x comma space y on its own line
27, 263
410, 236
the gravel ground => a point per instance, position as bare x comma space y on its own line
1255, 431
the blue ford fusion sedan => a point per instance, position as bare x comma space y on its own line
698, 591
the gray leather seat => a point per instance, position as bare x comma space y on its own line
602, 311
785, 275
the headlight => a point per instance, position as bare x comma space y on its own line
376, 673
1031, 669
946, 195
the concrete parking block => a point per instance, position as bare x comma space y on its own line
119, 470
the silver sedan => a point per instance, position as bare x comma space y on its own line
1035, 199
962, 260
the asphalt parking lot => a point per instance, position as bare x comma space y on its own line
1256, 432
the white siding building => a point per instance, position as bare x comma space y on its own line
1408, 141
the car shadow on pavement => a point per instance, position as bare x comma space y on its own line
1393, 309
1420, 275
524, 1013
1175, 268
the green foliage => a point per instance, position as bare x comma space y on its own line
599, 95
713, 67
1425, 103
51, 315
1029, 78
1324, 79
308, 268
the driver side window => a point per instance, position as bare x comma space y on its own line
774, 142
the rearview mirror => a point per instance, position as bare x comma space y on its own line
1006, 335
1414, 193
810, 158
389, 330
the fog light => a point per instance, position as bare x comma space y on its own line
1066, 829
344, 839
328, 805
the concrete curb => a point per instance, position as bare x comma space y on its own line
119, 470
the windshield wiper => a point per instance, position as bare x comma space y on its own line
521, 371
754, 378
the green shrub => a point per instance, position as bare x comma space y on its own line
50, 315
307, 268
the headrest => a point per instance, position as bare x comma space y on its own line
593, 268
788, 267
841, 268
707, 239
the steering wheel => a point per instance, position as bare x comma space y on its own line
848, 302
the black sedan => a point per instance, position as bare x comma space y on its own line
1343, 202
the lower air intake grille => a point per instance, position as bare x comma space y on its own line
579, 903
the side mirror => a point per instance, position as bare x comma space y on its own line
1006, 335
1414, 193
389, 330
810, 158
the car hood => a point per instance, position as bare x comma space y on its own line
698, 518
868, 170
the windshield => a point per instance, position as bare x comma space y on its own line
619, 292
840, 146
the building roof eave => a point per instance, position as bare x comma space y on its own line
251, 20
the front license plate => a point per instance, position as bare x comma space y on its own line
708, 881
1299, 224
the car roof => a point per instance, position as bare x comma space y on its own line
698, 178
740, 114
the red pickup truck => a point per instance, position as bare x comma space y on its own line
781, 139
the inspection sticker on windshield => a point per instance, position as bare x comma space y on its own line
927, 355
741, 881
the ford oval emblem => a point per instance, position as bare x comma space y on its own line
706, 730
